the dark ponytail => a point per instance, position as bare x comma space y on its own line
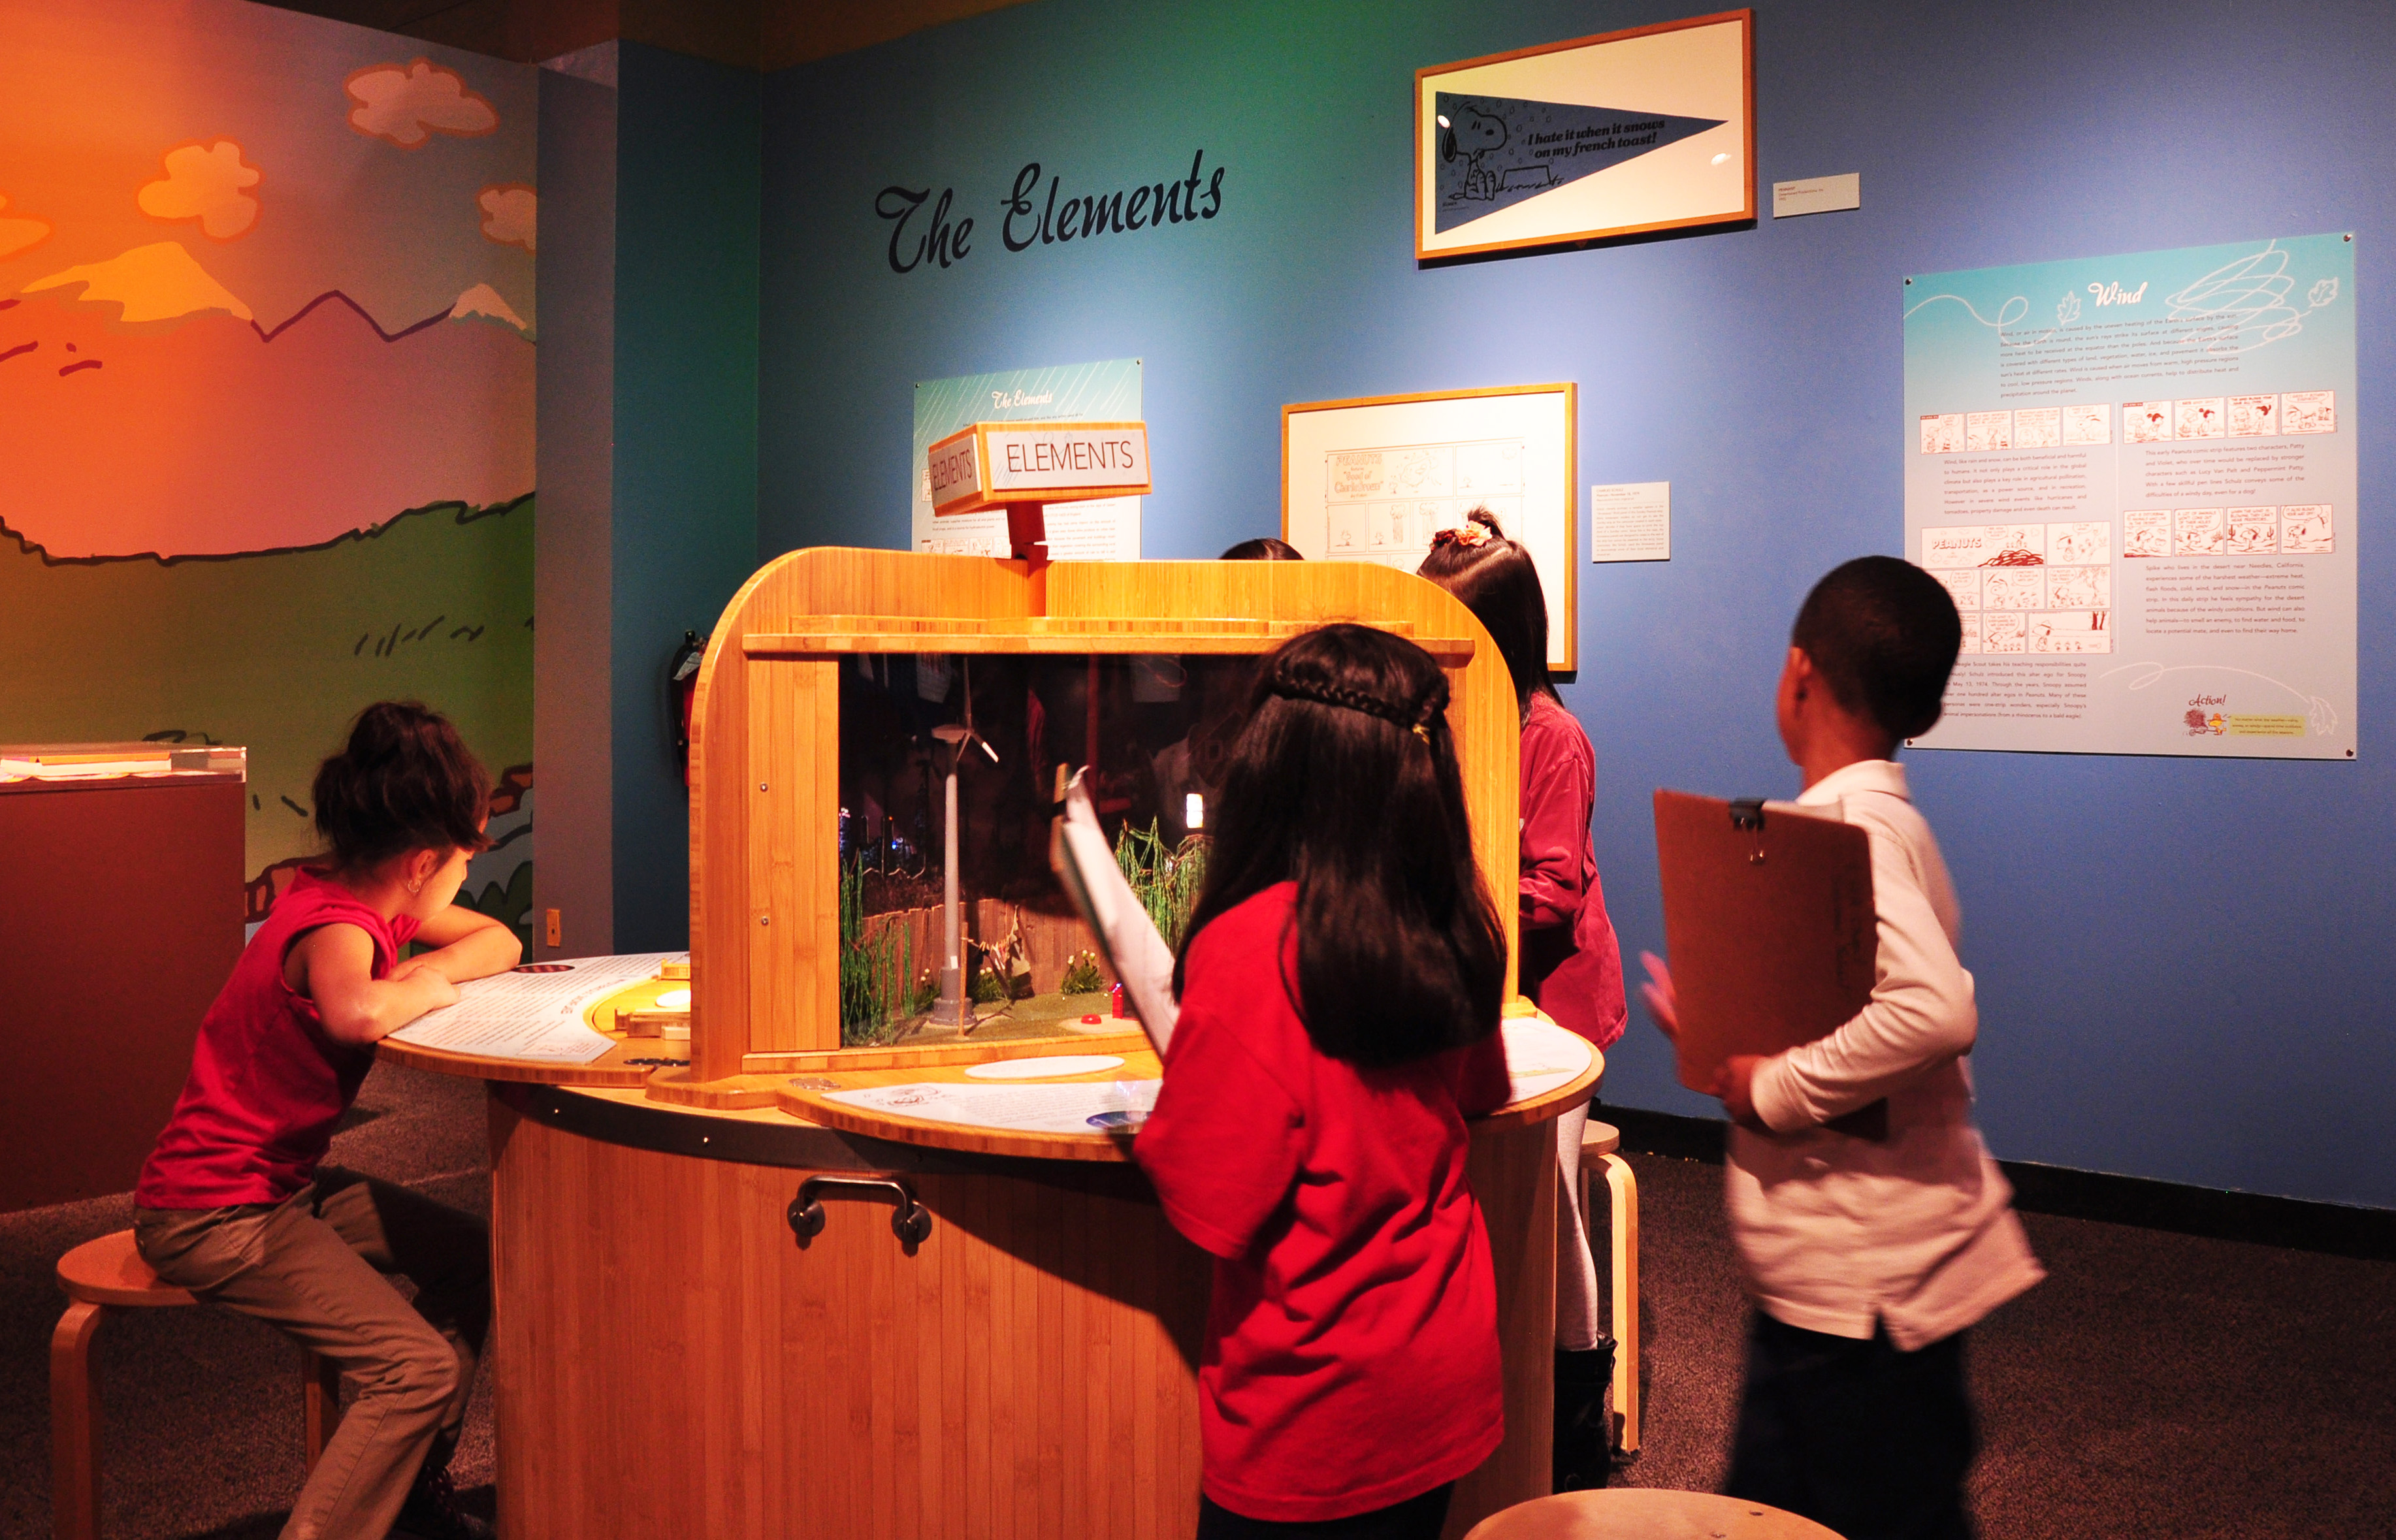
1498, 582
405, 781
1345, 781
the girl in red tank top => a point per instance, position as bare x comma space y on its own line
1340, 991
232, 1204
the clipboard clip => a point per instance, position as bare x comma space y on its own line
1747, 813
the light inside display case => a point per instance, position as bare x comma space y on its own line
949, 772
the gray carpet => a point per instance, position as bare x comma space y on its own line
2155, 1385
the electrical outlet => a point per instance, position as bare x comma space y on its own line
552, 933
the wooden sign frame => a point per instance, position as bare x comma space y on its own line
982, 492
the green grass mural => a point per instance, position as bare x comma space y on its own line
278, 650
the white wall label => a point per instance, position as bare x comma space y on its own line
1630, 523
1817, 195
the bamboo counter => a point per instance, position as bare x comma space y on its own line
671, 1356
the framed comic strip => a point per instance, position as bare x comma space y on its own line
1622, 134
1374, 479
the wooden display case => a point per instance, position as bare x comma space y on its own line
984, 1333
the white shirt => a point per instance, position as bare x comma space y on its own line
1837, 1233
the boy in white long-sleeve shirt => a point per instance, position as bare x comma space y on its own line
1867, 1258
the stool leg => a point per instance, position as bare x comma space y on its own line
1625, 1190
320, 1394
74, 1425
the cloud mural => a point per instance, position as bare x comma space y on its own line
509, 213
407, 104
209, 183
19, 233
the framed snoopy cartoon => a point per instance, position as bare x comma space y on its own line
1622, 134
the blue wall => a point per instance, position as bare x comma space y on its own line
687, 171
2184, 965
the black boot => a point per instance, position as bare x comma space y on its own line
1583, 1434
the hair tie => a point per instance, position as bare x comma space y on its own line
1469, 535
1412, 720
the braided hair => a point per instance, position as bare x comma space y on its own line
1345, 781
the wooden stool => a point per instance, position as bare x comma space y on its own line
1598, 1143
1644, 1513
105, 1275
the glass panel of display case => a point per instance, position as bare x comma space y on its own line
986, 734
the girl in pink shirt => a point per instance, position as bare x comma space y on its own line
232, 1204
1570, 966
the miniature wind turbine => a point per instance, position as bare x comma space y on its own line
952, 1009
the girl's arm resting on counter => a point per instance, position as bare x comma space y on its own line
333, 966
467, 944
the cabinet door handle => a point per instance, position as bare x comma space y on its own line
910, 1220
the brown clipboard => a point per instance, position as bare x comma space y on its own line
1768, 919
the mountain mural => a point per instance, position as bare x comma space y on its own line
144, 409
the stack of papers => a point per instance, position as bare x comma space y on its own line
536, 1017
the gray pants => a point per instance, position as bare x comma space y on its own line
312, 1266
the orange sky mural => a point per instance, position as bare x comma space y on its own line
271, 277
266, 393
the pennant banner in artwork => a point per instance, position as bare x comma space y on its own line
1497, 152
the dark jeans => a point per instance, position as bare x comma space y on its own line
1416, 1519
1870, 1441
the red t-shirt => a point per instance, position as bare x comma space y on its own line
1571, 965
267, 1084
1351, 1354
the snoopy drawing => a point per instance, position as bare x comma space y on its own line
1474, 136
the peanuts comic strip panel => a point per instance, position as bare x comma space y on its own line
1942, 434
2305, 530
1963, 585
2038, 427
2004, 545
2082, 543
2087, 422
2146, 422
2310, 412
2088, 587
2145, 532
2003, 632
2203, 418
2072, 632
2253, 531
2199, 532
2253, 416
1385, 505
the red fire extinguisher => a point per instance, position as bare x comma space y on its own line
682, 688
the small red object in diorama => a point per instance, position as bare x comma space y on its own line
1091, 1020
1114, 993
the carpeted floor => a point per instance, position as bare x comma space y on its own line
2155, 1385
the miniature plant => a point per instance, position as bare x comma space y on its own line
927, 992
874, 962
986, 988
1166, 881
1081, 976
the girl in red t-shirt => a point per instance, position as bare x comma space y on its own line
232, 1204
1571, 964
1340, 991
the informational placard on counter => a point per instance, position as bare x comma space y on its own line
2137, 477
